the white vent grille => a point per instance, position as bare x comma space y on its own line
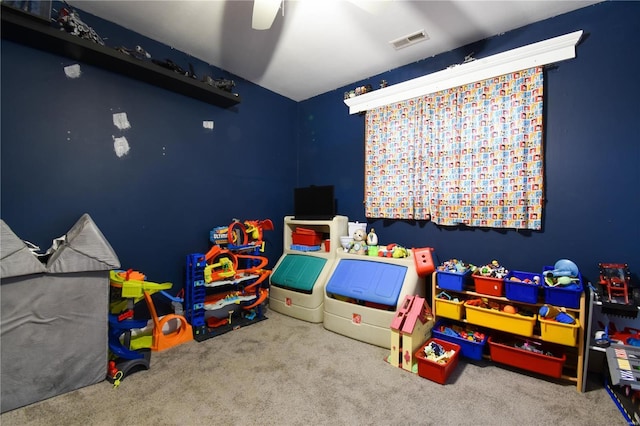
408, 40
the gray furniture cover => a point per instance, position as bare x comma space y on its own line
54, 315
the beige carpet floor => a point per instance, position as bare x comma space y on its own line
284, 371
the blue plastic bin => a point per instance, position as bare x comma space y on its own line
452, 280
567, 296
520, 291
468, 349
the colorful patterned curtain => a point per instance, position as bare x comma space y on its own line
469, 155
394, 132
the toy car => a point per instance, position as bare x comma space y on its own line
616, 287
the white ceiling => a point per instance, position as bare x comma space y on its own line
319, 45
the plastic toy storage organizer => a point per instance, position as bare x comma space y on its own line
507, 334
363, 294
299, 277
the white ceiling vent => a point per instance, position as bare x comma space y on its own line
410, 39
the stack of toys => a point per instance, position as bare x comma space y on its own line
492, 270
455, 265
462, 333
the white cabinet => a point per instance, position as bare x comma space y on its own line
298, 279
333, 229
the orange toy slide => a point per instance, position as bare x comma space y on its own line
162, 341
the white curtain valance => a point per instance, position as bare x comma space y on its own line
537, 54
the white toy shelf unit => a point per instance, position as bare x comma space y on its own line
364, 292
299, 277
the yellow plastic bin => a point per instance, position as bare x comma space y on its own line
558, 332
497, 320
450, 309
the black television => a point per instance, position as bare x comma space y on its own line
314, 203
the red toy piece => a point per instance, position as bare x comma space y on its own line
112, 370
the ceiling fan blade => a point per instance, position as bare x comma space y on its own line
264, 13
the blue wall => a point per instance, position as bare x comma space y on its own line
592, 150
158, 203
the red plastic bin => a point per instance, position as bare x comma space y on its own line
306, 237
435, 371
489, 286
531, 361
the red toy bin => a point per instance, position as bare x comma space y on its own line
521, 291
435, 371
489, 286
502, 351
306, 237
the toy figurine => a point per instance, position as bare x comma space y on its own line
493, 270
358, 246
372, 238
393, 250
398, 252
69, 21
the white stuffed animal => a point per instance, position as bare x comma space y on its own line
358, 246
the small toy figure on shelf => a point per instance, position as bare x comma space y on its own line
360, 90
372, 238
393, 250
138, 52
398, 252
69, 21
220, 83
358, 246
372, 243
